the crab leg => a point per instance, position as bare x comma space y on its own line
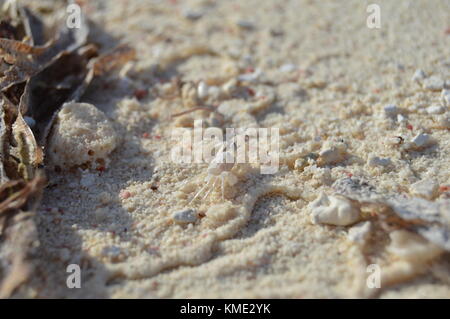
222, 178
199, 192
210, 190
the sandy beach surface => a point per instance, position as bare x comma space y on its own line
351, 106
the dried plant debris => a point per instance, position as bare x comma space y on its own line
19, 23
21, 60
18, 236
46, 92
40, 70
27, 150
431, 219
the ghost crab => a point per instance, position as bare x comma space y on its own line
219, 169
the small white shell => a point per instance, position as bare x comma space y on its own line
244, 24
192, 14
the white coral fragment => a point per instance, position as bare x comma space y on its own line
332, 154
82, 134
333, 210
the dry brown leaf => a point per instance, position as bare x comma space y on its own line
23, 61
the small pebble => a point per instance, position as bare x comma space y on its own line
421, 140
377, 161
391, 110
276, 32
185, 216
250, 77
419, 76
192, 14
244, 24
433, 83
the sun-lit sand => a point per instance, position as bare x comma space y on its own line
347, 108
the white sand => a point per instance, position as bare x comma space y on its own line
261, 242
